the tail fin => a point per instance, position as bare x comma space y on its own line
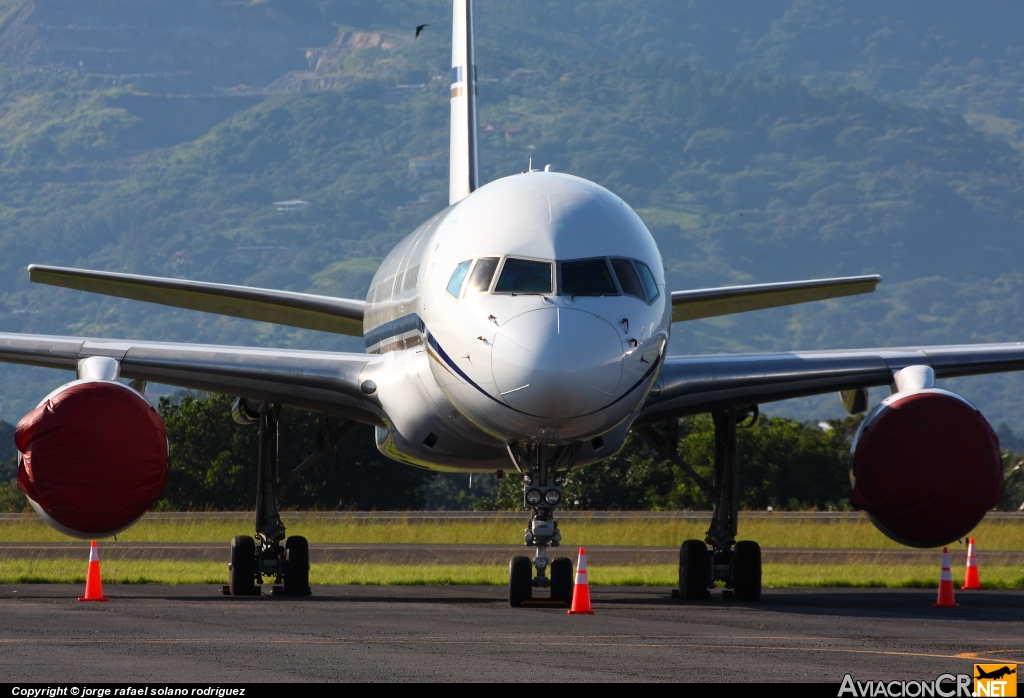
464, 171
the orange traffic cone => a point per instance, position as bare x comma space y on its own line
93, 582
971, 580
945, 584
581, 594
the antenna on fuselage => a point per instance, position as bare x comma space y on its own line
464, 169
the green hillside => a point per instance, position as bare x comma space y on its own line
168, 162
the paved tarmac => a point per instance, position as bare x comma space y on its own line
455, 554
193, 633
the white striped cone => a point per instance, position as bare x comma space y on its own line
945, 599
581, 568
581, 592
971, 579
93, 579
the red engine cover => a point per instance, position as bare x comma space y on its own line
926, 466
93, 457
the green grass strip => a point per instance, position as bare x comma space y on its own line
783, 533
68, 571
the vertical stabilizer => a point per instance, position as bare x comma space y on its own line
463, 172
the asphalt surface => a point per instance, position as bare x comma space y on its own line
193, 633
451, 554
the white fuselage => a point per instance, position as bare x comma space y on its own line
534, 310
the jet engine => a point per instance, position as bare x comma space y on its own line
93, 457
926, 465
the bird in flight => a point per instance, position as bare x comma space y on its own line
420, 28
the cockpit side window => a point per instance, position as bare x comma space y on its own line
586, 277
650, 286
524, 276
483, 272
458, 277
629, 280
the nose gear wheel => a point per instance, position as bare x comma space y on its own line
543, 467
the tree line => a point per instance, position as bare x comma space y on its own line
784, 464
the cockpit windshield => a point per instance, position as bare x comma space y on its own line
524, 276
483, 272
597, 276
586, 277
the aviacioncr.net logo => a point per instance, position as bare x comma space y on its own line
995, 680
945, 686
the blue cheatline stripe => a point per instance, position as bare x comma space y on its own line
443, 356
636, 385
395, 328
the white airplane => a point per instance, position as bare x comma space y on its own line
522, 327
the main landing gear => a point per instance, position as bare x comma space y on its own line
287, 563
737, 564
542, 467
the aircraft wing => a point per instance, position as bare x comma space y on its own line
690, 385
316, 380
711, 302
324, 313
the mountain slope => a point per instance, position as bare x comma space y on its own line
740, 178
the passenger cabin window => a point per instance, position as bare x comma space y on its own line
650, 286
483, 272
384, 291
410, 277
524, 276
458, 277
587, 277
629, 280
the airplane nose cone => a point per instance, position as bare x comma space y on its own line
557, 363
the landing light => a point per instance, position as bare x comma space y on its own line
533, 497
552, 497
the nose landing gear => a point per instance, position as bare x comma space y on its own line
737, 564
543, 467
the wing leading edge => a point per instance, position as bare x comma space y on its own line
320, 381
712, 302
309, 311
691, 385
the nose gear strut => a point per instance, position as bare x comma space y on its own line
543, 467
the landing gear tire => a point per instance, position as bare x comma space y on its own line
746, 565
242, 575
561, 580
296, 566
520, 581
695, 571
